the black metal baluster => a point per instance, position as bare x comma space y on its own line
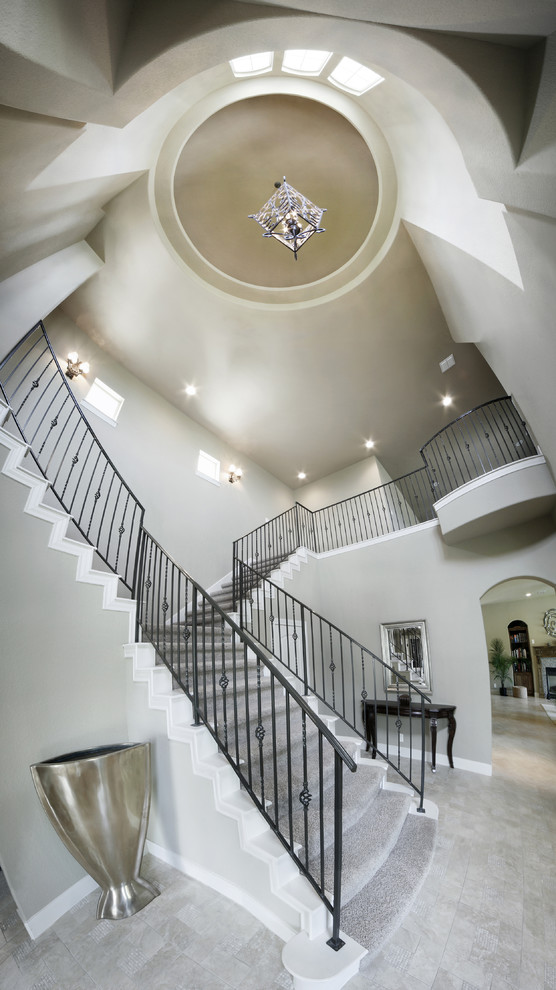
335, 942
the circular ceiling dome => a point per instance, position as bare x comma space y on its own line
227, 168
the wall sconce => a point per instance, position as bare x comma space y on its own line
234, 474
75, 366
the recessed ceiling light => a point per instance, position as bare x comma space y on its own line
369, 444
528, 594
447, 400
191, 390
302, 475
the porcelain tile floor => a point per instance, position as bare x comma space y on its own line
485, 918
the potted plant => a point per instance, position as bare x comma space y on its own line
500, 662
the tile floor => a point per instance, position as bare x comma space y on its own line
485, 918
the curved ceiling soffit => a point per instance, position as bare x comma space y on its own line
459, 76
515, 586
173, 234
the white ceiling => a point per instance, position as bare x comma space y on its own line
296, 363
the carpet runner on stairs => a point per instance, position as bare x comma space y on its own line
387, 851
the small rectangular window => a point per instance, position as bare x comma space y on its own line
104, 401
208, 468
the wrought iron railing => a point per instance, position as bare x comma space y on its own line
337, 669
386, 509
67, 453
483, 439
284, 754
487, 437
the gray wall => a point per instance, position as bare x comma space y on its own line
417, 576
62, 685
360, 477
155, 447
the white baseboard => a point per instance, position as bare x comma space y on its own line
218, 883
473, 766
50, 913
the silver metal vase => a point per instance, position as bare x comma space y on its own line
98, 801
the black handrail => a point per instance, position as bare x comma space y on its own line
68, 454
255, 715
332, 665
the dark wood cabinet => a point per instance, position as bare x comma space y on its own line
520, 650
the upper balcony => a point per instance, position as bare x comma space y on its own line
487, 473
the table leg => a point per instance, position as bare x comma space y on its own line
434, 724
370, 725
451, 734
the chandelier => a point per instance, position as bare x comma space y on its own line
289, 217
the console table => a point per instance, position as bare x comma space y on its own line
432, 712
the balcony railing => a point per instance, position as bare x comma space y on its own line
479, 441
486, 438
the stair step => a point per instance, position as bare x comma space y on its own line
377, 910
370, 840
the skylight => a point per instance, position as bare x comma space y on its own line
305, 62
252, 65
354, 77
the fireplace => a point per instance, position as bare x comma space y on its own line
550, 673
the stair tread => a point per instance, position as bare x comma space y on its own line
369, 841
374, 913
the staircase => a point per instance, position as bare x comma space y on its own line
387, 846
354, 838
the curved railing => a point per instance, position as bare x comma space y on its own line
67, 453
285, 756
479, 441
283, 753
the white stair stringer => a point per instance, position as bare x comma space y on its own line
255, 836
14, 468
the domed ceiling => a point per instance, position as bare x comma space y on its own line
227, 170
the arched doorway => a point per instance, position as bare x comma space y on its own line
515, 611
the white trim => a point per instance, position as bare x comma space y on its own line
536, 460
419, 527
50, 913
222, 886
210, 461
98, 412
473, 766
206, 477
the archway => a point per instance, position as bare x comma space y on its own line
515, 611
